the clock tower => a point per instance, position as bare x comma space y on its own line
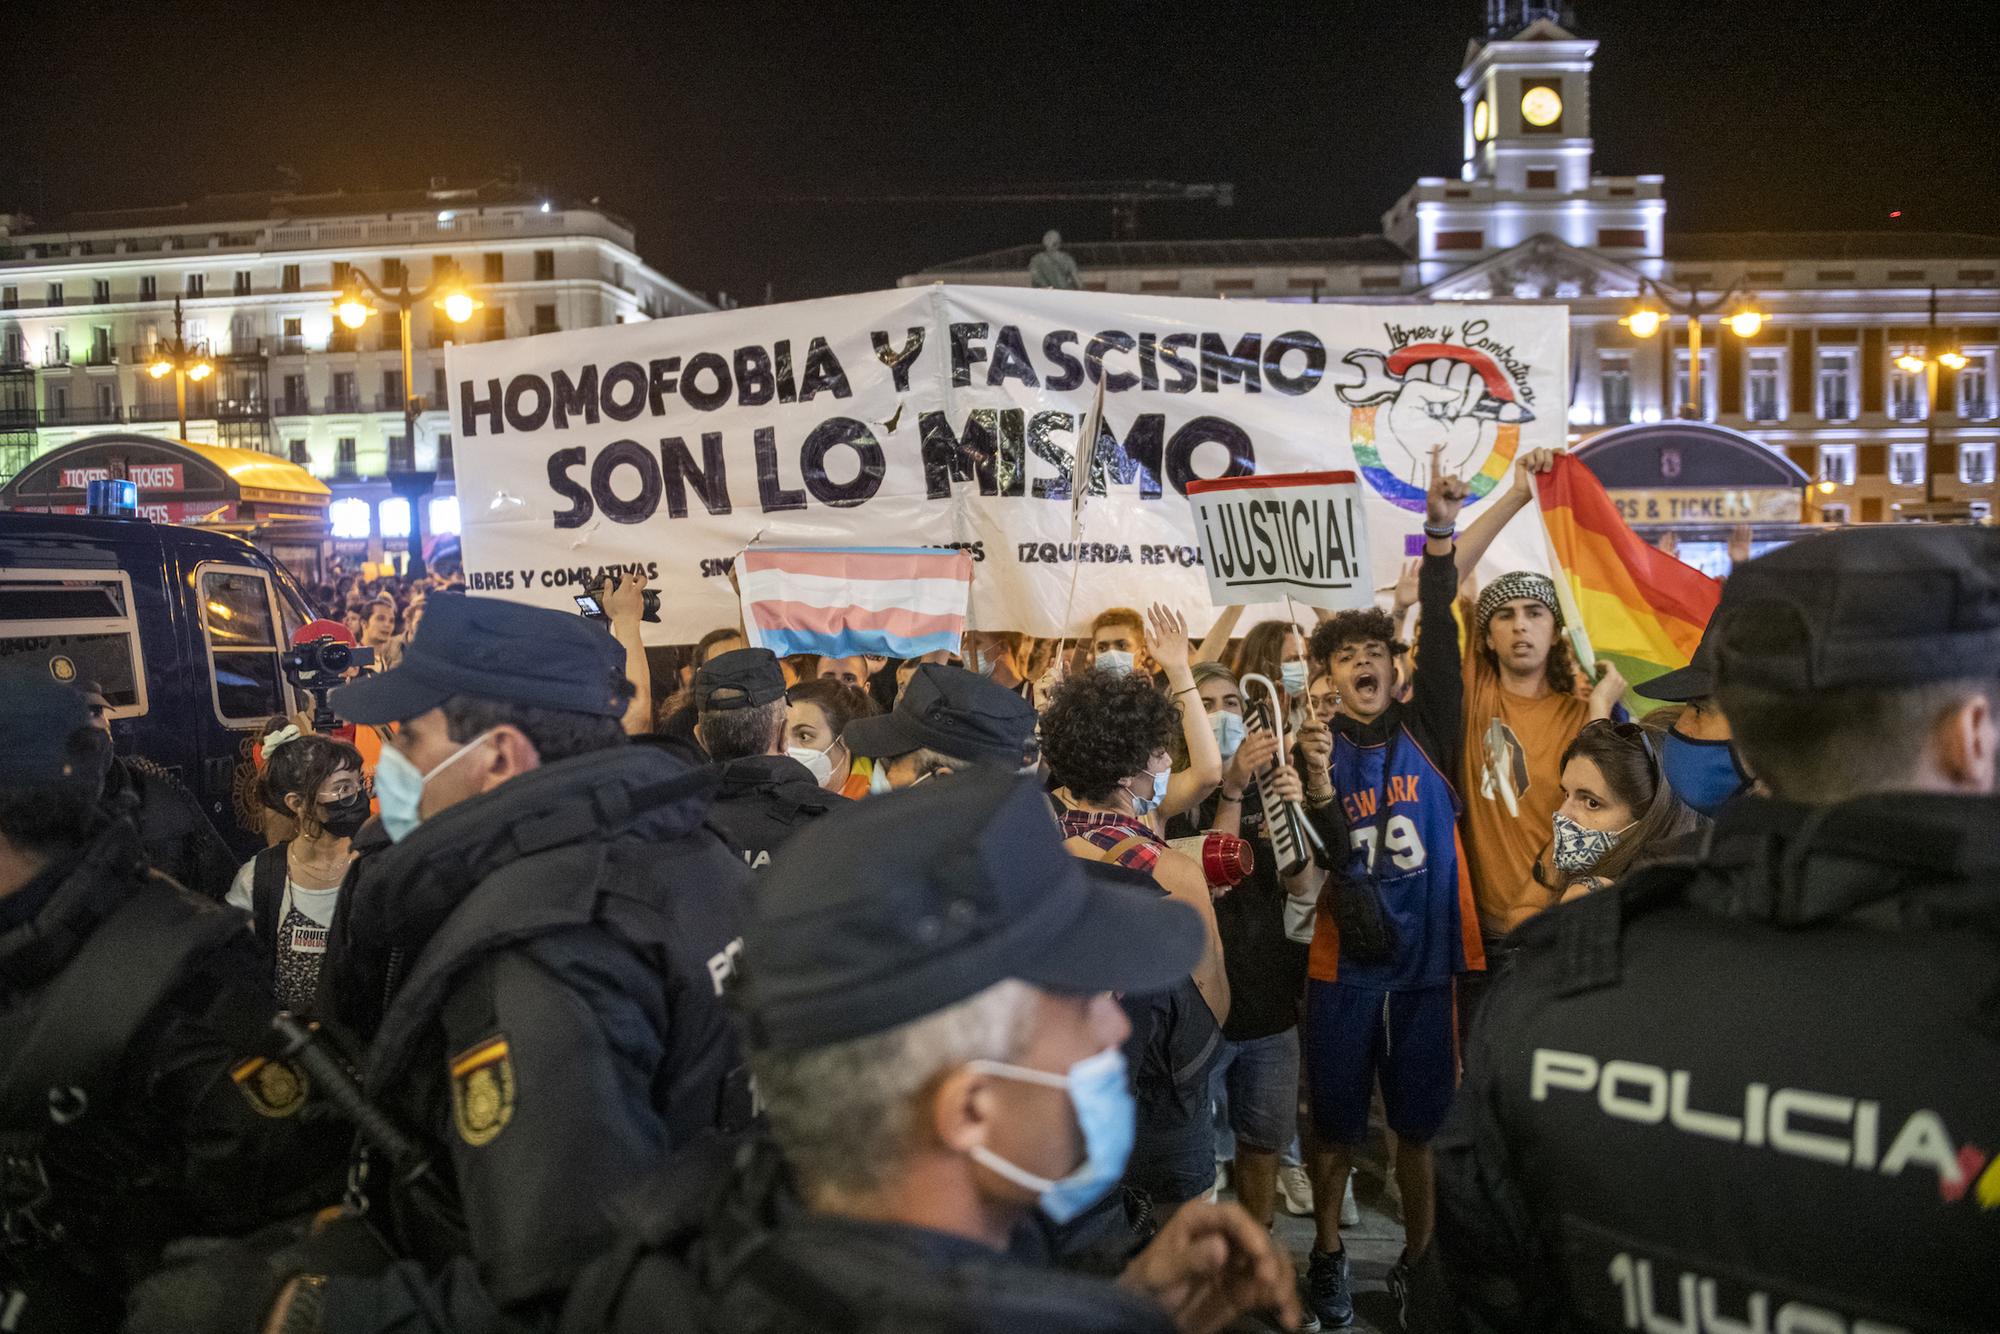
1526, 151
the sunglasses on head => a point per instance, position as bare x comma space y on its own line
1629, 733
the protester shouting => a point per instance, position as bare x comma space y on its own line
1395, 923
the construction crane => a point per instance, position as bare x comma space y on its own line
1123, 196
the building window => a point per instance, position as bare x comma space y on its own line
1907, 394
345, 463
16, 350
295, 334
394, 516
1975, 465
437, 387
288, 278
496, 323
243, 282
392, 334
55, 294
1833, 513
107, 400
1614, 387
1837, 399
341, 269
444, 515
10, 298
349, 517
297, 450
1836, 464
545, 265
1472, 239
1682, 396
345, 397
442, 266
100, 293
496, 268
100, 345
545, 319
58, 348
1906, 465
1975, 388
393, 274
1982, 510
1764, 386
392, 390
295, 395
195, 284
1541, 178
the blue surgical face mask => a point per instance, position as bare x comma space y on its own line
399, 786
1704, 774
878, 778
1114, 660
1147, 805
1105, 1112
1577, 849
1228, 729
1292, 676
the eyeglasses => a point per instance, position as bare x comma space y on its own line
343, 789
1629, 733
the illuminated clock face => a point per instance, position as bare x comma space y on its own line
1482, 121
1541, 105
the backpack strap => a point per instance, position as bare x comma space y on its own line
267, 897
97, 1005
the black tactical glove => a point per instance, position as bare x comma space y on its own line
205, 1285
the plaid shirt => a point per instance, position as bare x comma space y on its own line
1105, 831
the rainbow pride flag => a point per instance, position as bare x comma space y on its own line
1638, 606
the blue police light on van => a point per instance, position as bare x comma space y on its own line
112, 498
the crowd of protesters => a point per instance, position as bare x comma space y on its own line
1096, 950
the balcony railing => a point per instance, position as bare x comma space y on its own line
245, 349
294, 407
343, 403
81, 414
389, 403
17, 419
346, 471
100, 356
291, 345
254, 408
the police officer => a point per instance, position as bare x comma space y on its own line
564, 925
766, 796
1757, 1090
134, 1105
946, 719
927, 997
179, 838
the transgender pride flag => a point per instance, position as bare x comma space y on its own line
845, 602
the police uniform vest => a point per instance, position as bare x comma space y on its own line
123, 997
1752, 1092
560, 1022
762, 800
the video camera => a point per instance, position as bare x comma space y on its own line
591, 601
318, 666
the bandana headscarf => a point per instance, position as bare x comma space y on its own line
1517, 584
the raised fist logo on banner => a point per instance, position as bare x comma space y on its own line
1437, 396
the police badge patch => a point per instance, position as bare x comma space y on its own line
482, 1090
272, 1088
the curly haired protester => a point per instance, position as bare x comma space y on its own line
1394, 925
1105, 737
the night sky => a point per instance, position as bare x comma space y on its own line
694, 120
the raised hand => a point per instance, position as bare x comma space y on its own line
1167, 637
1446, 495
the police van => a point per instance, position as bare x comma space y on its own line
183, 628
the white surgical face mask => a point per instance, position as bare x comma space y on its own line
399, 787
878, 779
1114, 660
819, 761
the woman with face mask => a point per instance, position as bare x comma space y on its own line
1617, 810
817, 714
291, 888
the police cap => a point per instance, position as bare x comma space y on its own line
496, 650
954, 712
893, 908
1880, 607
739, 679
39, 720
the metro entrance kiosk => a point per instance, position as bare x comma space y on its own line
269, 500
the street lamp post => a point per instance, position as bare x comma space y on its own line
448, 292
1645, 320
182, 362
1928, 364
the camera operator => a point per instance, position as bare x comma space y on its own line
564, 923
766, 796
1762, 1082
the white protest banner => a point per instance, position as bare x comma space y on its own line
1299, 535
949, 416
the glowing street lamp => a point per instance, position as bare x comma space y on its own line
1926, 364
447, 292
182, 362
1646, 319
